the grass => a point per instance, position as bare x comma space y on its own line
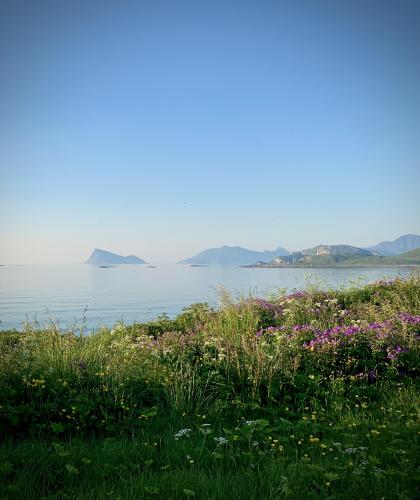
314, 394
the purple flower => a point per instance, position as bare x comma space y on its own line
378, 325
386, 282
300, 328
333, 335
408, 318
393, 353
297, 295
275, 309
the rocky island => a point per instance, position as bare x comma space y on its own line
104, 258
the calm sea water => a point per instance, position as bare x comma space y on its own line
62, 292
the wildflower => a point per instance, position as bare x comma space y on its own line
221, 441
393, 353
271, 330
250, 422
35, 382
408, 318
351, 451
300, 328
182, 433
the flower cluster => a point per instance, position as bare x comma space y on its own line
332, 335
394, 352
221, 441
409, 318
182, 433
276, 310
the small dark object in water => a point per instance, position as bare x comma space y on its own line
105, 267
151, 267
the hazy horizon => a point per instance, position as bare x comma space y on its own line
161, 129
170, 261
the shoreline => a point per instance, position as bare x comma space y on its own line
279, 266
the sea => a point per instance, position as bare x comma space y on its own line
81, 294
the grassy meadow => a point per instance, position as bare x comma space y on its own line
309, 395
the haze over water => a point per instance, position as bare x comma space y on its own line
66, 293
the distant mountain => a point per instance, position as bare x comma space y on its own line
344, 250
233, 256
103, 258
396, 247
319, 256
341, 256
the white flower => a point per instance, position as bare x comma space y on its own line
355, 450
221, 440
250, 422
182, 433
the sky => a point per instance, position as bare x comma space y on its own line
161, 128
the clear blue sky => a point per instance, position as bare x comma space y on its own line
161, 128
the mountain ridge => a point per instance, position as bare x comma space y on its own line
331, 254
400, 245
232, 255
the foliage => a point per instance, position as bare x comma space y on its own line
308, 391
